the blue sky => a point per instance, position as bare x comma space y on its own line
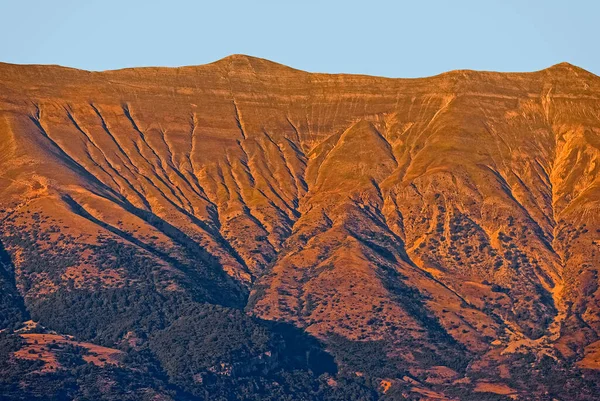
389, 38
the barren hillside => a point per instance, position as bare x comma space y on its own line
438, 237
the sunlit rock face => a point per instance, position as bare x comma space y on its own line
454, 220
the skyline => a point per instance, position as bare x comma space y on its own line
385, 39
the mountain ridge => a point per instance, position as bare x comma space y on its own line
247, 58
443, 229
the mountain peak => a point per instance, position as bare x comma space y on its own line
564, 64
245, 62
568, 68
237, 57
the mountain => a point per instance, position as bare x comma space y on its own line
244, 229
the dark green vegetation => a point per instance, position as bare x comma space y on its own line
177, 346
12, 309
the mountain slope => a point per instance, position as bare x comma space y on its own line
449, 223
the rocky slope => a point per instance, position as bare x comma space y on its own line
447, 228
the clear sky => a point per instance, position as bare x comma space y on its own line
389, 38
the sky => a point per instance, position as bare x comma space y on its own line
386, 38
